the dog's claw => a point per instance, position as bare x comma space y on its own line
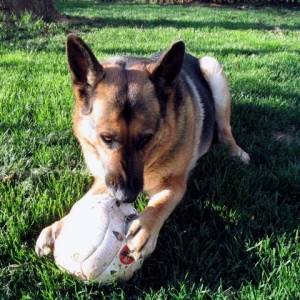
128, 235
45, 250
136, 256
132, 233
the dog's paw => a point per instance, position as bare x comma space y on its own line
240, 153
141, 239
46, 240
245, 157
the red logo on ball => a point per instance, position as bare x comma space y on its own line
124, 256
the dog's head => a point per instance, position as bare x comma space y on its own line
120, 110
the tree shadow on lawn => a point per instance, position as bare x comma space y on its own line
150, 24
106, 20
229, 208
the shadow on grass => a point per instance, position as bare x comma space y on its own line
139, 23
106, 20
229, 208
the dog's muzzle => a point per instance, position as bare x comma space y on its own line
126, 196
124, 191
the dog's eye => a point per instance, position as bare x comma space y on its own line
144, 140
107, 139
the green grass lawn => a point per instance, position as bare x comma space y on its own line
236, 233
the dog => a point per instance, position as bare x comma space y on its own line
142, 125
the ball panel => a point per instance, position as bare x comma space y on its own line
82, 233
105, 253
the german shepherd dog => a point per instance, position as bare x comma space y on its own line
143, 124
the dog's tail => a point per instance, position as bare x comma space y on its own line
213, 74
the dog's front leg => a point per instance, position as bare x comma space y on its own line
143, 231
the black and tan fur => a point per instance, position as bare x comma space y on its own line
142, 125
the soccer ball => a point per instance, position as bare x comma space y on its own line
92, 245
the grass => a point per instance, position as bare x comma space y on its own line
236, 233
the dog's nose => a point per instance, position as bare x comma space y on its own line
125, 189
126, 196
129, 199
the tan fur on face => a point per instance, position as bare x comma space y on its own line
107, 116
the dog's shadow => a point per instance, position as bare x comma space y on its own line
231, 208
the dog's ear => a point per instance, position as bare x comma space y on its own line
85, 69
166, 70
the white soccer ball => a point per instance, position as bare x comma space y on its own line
92, 245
